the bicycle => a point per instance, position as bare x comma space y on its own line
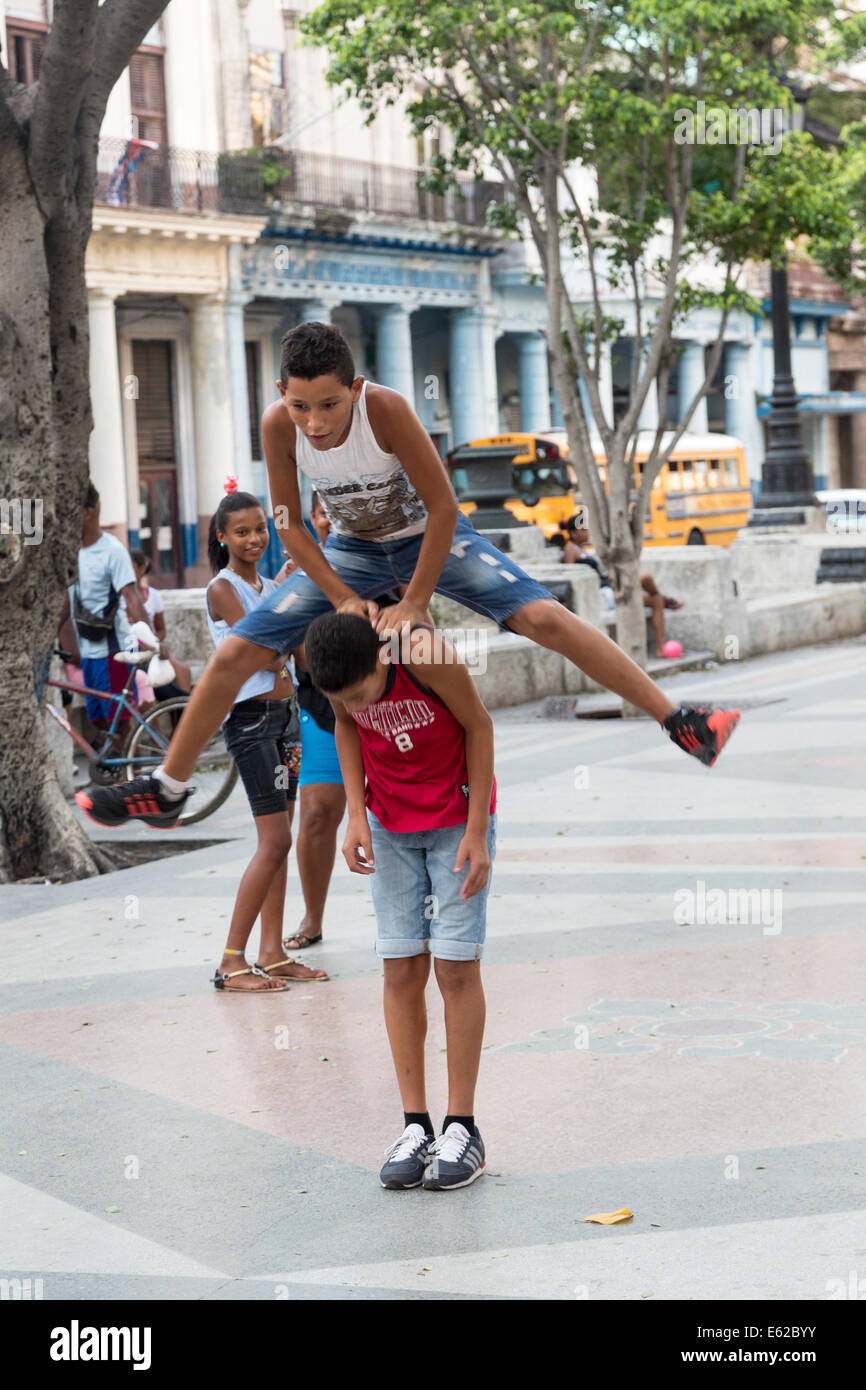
146, 745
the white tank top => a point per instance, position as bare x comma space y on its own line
365, 492
260, 682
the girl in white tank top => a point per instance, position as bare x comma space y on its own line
263, 737
364, 490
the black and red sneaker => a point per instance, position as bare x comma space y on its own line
145, 798
701, 732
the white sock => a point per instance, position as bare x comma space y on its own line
174, 789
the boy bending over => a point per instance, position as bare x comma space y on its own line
416, 750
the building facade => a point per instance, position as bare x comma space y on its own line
238, 197
206, 249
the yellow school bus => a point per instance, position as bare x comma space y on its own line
700, 497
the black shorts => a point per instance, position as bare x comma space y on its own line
264, 738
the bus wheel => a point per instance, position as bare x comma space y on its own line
696, 537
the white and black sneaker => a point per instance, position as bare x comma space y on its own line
407, 1159
455, 1159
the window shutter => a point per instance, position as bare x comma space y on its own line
154, 412
252, 357
147, 91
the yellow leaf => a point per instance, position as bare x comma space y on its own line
610, 1218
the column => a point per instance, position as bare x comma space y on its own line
534, 382
605, 383
740, 417
237, 357
107, 454
471, 372
555, 410
317, 310
605, 386
211, 405
394, 366
649, 413
692, 376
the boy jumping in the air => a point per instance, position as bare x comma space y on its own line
394, 520
416, 751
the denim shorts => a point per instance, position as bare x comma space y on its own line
475, 574
263, 737
416, 894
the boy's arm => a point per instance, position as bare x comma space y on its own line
278, 442
437, 665
400, 432
358, 844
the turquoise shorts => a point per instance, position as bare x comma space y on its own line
319, 761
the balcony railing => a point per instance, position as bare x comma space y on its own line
257, 182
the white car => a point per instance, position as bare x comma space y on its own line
846, 509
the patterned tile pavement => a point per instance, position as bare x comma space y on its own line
676, 1024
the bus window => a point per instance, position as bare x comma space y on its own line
524, 480
673, 476
700, 467
732, 472
687, 474
715, 476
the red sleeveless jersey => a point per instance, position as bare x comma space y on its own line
414, 753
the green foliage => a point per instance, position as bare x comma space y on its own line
652, 99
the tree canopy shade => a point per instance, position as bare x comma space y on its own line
595, 117
49, 134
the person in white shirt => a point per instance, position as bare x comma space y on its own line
105, 580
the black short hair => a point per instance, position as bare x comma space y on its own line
139, 558
91, 496
341, 649
316, 349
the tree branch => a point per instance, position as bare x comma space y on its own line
63, 77
122, 26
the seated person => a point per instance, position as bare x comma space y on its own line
574, 552
154, 608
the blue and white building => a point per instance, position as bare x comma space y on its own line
236, 199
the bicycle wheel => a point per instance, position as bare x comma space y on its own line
214, 774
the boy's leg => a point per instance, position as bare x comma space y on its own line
400, 889
276, 626
406, 1024
457, 932
457, 935
481, 577
459, 983
234, 661
550, 625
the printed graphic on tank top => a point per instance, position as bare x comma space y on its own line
414, 754
365, 491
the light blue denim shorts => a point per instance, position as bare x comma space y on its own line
416, 894
475, 573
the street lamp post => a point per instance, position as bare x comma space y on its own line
786, 473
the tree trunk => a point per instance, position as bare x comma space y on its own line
44, 426
630, 619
